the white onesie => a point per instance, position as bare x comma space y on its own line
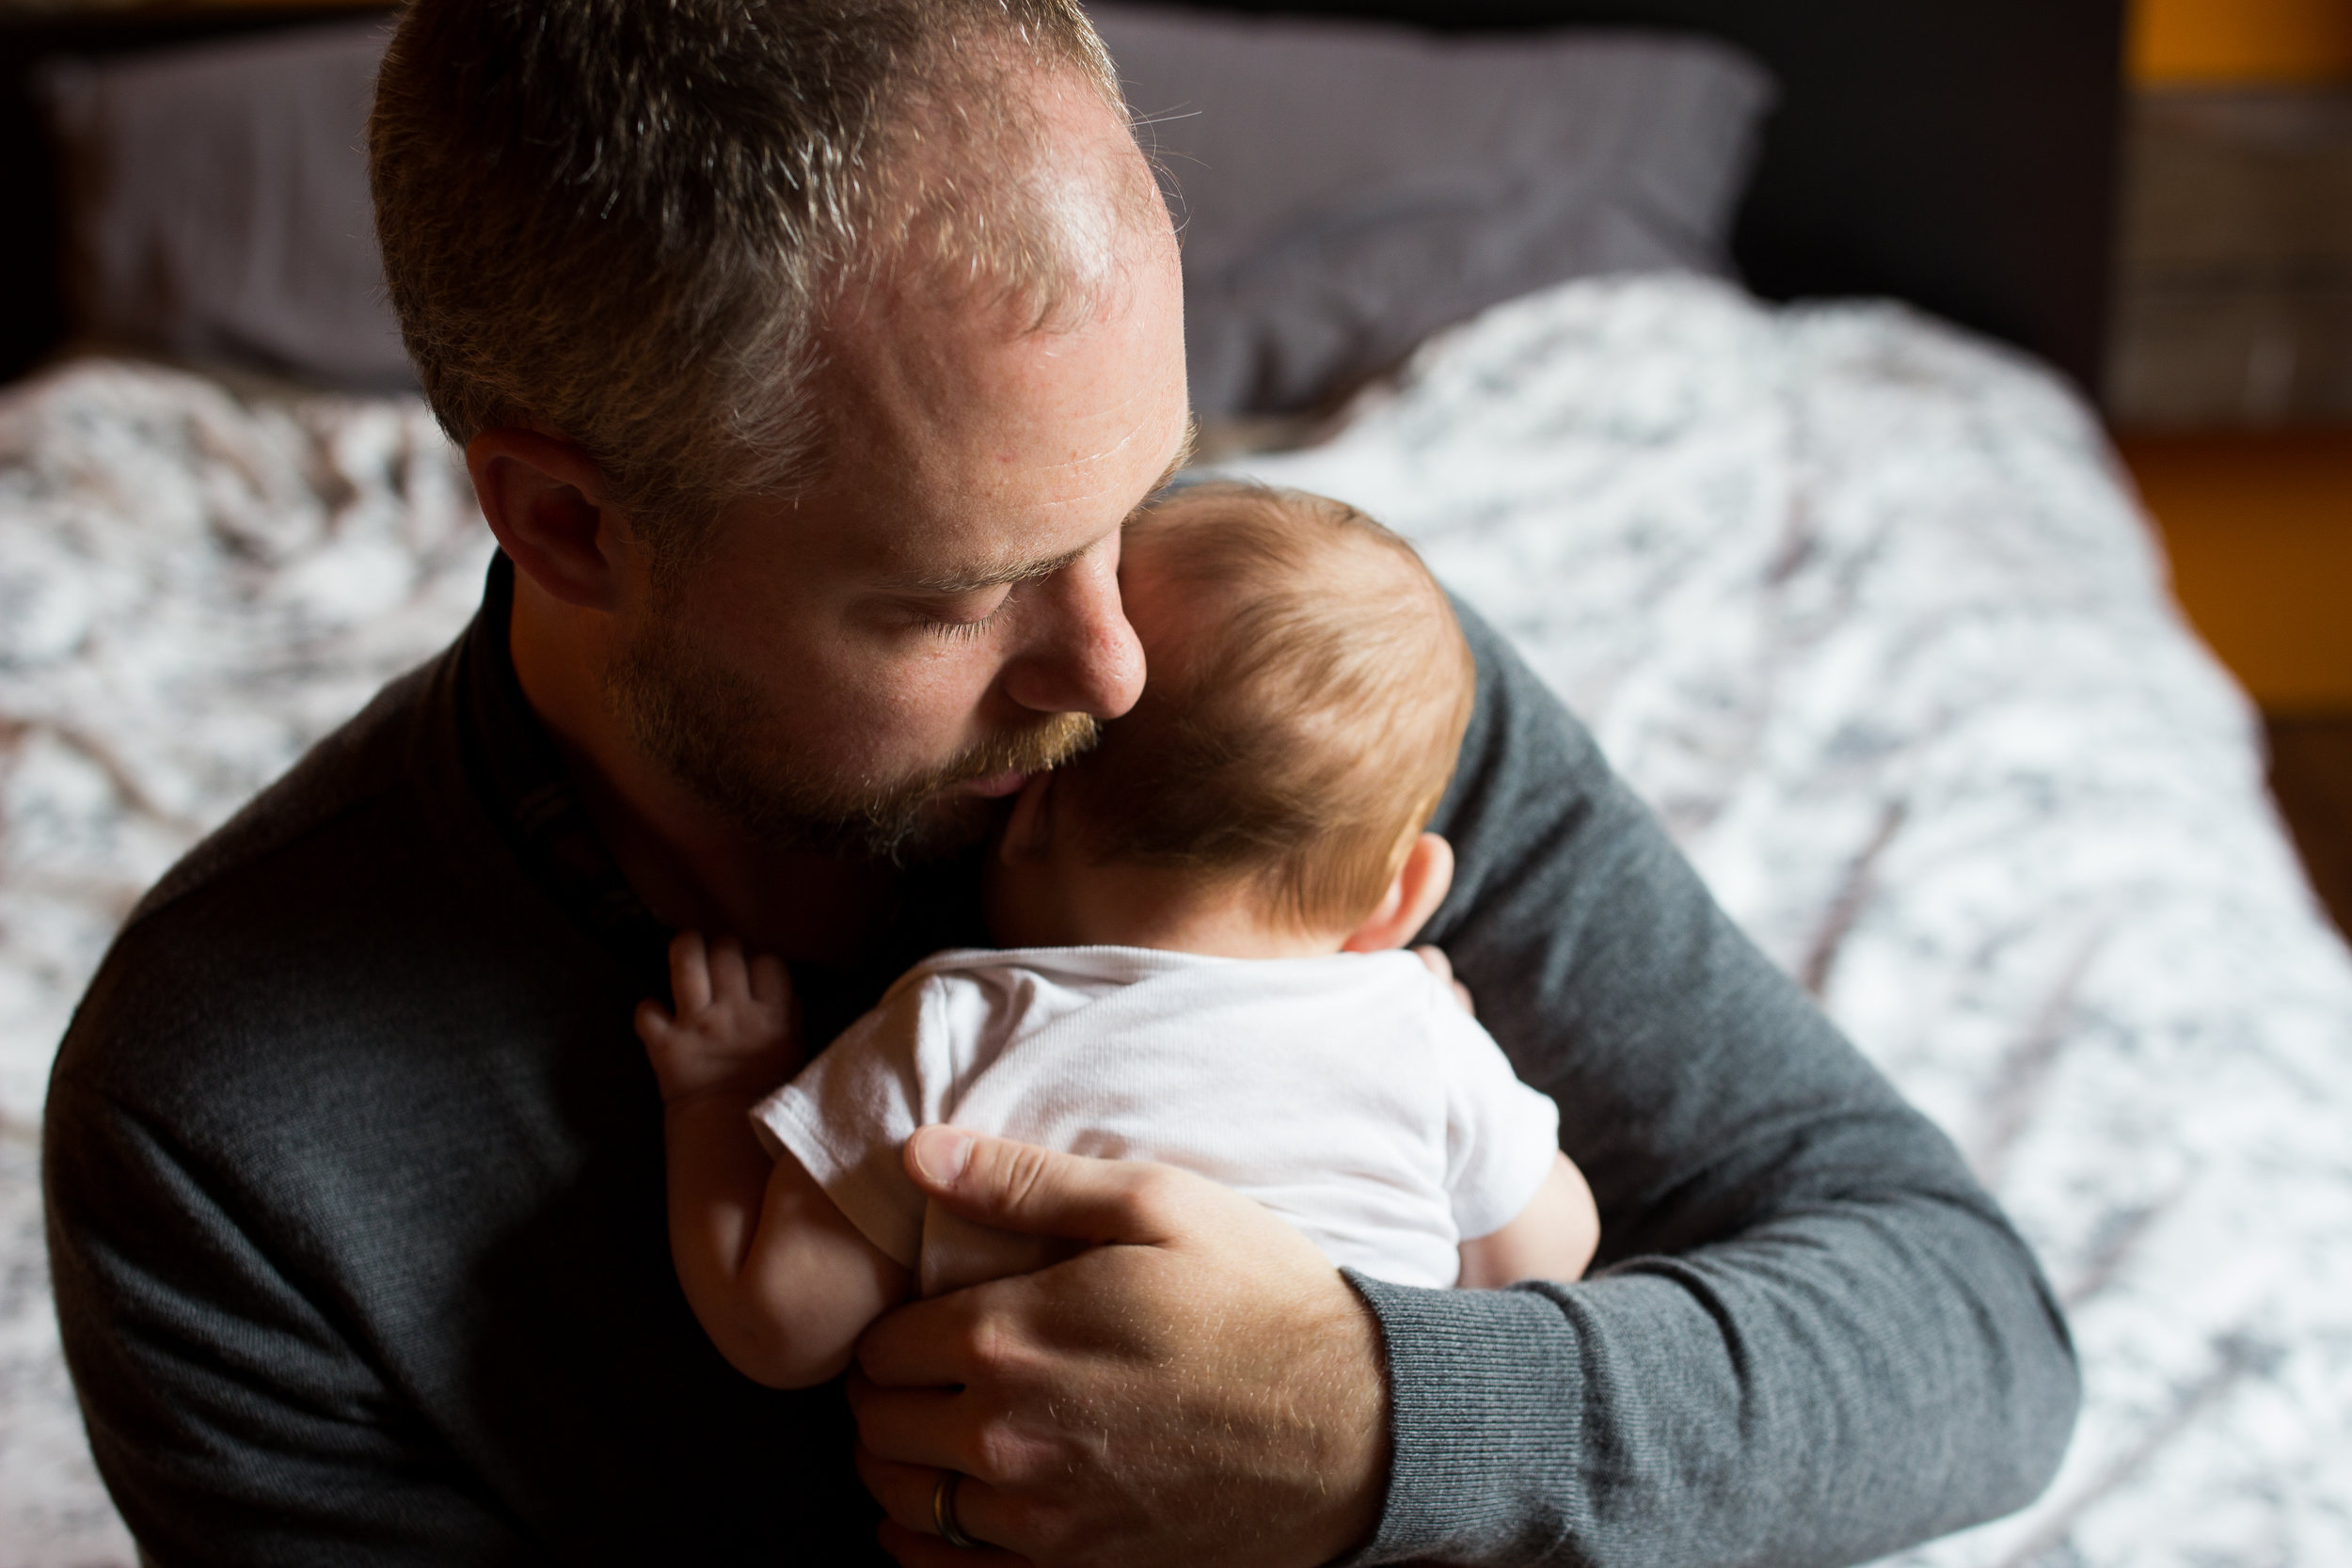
1349, 1094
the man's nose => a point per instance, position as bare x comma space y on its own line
1083, 656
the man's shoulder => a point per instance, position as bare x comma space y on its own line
372, 754
340, 902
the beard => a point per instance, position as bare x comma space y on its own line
716, 733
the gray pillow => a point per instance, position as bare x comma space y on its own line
218, 202
1347, 188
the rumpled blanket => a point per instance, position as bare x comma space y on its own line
1860, 604
195, 584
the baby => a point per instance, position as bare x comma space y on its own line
1203, 923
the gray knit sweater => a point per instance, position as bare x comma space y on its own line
355, 1209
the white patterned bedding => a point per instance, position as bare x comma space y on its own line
1857, 603
192, 587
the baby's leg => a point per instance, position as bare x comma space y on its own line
778, 1276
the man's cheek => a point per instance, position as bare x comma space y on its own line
903, 720
946, 692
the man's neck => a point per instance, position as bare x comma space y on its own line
692, 868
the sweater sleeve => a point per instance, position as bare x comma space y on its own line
1810, 1337
232, 1419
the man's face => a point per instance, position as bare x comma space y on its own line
869, 667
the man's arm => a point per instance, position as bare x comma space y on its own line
1200, 1385
233, 1421
1811, 1338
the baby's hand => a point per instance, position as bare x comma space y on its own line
1443, 967
737, 1027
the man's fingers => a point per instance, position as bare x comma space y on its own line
690, 972
902, 1489
922, 1347
906, 1491
909, 1496
1040, 1192
917, 1423
921, 1549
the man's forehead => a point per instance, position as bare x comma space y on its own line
940, 354
970, 445
947, 559
976, 455
973, 371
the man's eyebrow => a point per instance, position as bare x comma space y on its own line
1186, 451
972, 581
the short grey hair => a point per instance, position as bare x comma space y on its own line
628, 218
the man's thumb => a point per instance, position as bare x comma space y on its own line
1040, 1192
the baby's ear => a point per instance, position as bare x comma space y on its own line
1420, 887
1029, 831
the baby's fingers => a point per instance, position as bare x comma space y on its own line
729, 978
690, 972
771, 983
1435, 961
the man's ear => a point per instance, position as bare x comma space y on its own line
546, 501
1420, 887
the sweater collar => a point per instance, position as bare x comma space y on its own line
527, 789
522, 779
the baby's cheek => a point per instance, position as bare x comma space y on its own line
1015, 901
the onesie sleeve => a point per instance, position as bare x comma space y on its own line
1500, 1134
849, 1112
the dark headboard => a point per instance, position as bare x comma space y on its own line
34, 314
1957, 153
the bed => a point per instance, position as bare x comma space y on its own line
1855, 596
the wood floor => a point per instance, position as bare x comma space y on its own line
2311, 774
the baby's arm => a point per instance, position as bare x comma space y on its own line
1552, 1238
780, 1279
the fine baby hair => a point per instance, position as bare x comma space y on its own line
1299, 725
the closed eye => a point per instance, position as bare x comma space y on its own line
967, 619
962, 631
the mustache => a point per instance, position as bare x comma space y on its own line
904, 823
1040, 748
713, 729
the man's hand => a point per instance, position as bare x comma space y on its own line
1201, 1387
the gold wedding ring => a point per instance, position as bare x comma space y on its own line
943, 1512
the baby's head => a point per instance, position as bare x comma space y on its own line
1305, 694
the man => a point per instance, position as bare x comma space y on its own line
809, 355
